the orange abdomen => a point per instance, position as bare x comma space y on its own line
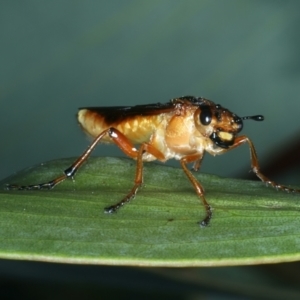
137, 129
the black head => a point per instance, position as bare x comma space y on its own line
220, 124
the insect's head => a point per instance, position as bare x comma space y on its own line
220, 124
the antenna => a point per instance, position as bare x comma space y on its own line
255, 118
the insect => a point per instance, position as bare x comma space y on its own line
184, 129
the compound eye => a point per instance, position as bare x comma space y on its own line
205, 115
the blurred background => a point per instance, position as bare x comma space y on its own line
57, 56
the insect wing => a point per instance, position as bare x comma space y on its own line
113, 114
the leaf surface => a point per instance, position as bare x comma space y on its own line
251, 223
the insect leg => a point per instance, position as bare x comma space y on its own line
197, 164
255, 165
69, 172
137, 183
124, 143
197, 158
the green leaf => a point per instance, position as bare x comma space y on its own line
251, 223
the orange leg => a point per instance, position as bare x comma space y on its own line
125, 145
197, 164
68, 173
197, 158
255, 165
137, 183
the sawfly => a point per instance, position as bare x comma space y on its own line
184, 129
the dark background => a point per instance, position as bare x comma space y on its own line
57, 56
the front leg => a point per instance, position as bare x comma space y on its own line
255, 165
197, 164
